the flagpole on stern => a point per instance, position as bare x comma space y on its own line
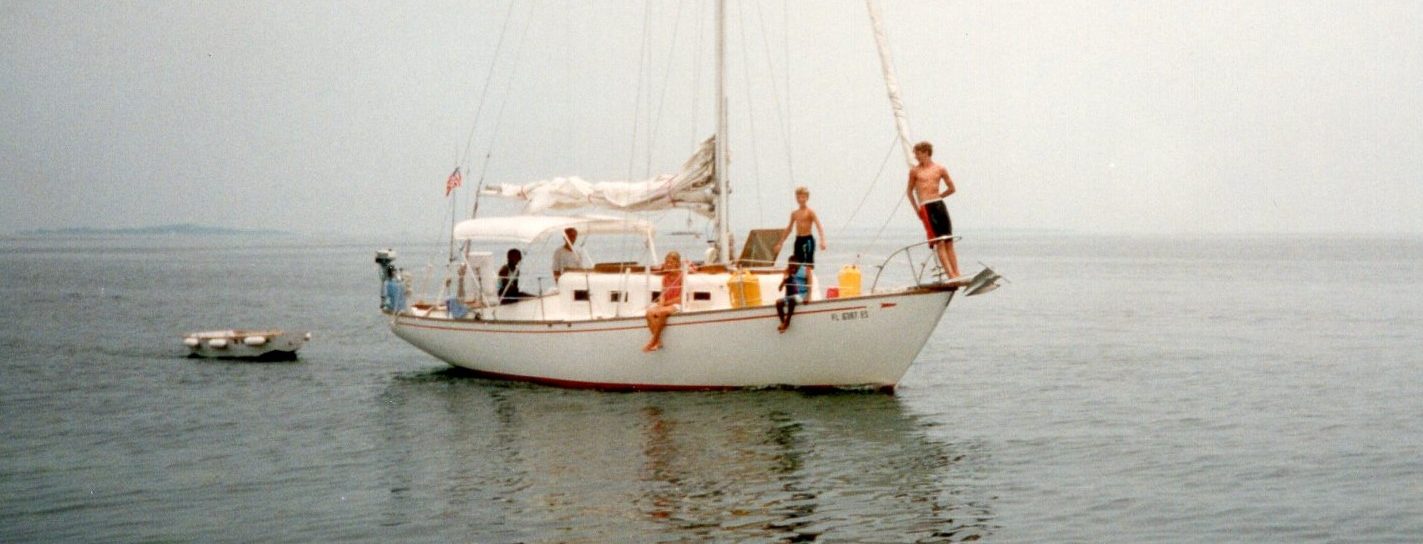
451, 183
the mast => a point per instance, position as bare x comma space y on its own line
723, 226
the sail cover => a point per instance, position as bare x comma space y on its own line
689, 188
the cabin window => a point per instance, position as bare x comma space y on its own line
701, 295
580, 295
657, 295
617, 296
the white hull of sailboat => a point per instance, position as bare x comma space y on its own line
862, 342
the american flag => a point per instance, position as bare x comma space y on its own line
453, 181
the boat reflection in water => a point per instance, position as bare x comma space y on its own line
494, 461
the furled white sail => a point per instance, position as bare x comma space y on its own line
891, 83
690, 188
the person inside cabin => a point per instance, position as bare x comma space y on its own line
566, 257
924, 183
668, 303
801, 220
796, 284
509, 278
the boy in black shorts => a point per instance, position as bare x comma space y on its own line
924, 183
801, 220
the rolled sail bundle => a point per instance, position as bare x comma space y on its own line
689, 188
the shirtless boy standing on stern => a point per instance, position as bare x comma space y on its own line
924, 184
801, 220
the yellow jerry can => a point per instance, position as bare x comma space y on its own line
849, 281
745, 289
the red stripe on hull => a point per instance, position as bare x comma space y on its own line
635, 387
407, 321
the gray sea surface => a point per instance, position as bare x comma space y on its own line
1120, 389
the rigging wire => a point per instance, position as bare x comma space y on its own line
775, 96
697, 80
469, 140
488, 78
897, 201
642, 61
865, 197
708, 233
875, 181
666, 79
642, 55
569, 141
662, 99
786, 51
750, 115
499, 116
693, 112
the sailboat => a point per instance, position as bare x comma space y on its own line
588, 328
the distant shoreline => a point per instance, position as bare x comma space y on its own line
158, 230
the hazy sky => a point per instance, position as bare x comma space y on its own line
1122, 117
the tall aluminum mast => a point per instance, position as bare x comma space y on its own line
723, 191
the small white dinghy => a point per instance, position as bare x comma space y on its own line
257, 345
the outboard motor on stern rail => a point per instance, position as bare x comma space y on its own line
392, 291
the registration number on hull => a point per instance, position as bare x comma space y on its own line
850, 315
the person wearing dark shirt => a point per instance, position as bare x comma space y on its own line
509, 279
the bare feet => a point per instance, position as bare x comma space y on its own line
781, 329
649, 348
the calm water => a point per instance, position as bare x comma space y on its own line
1120, 389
